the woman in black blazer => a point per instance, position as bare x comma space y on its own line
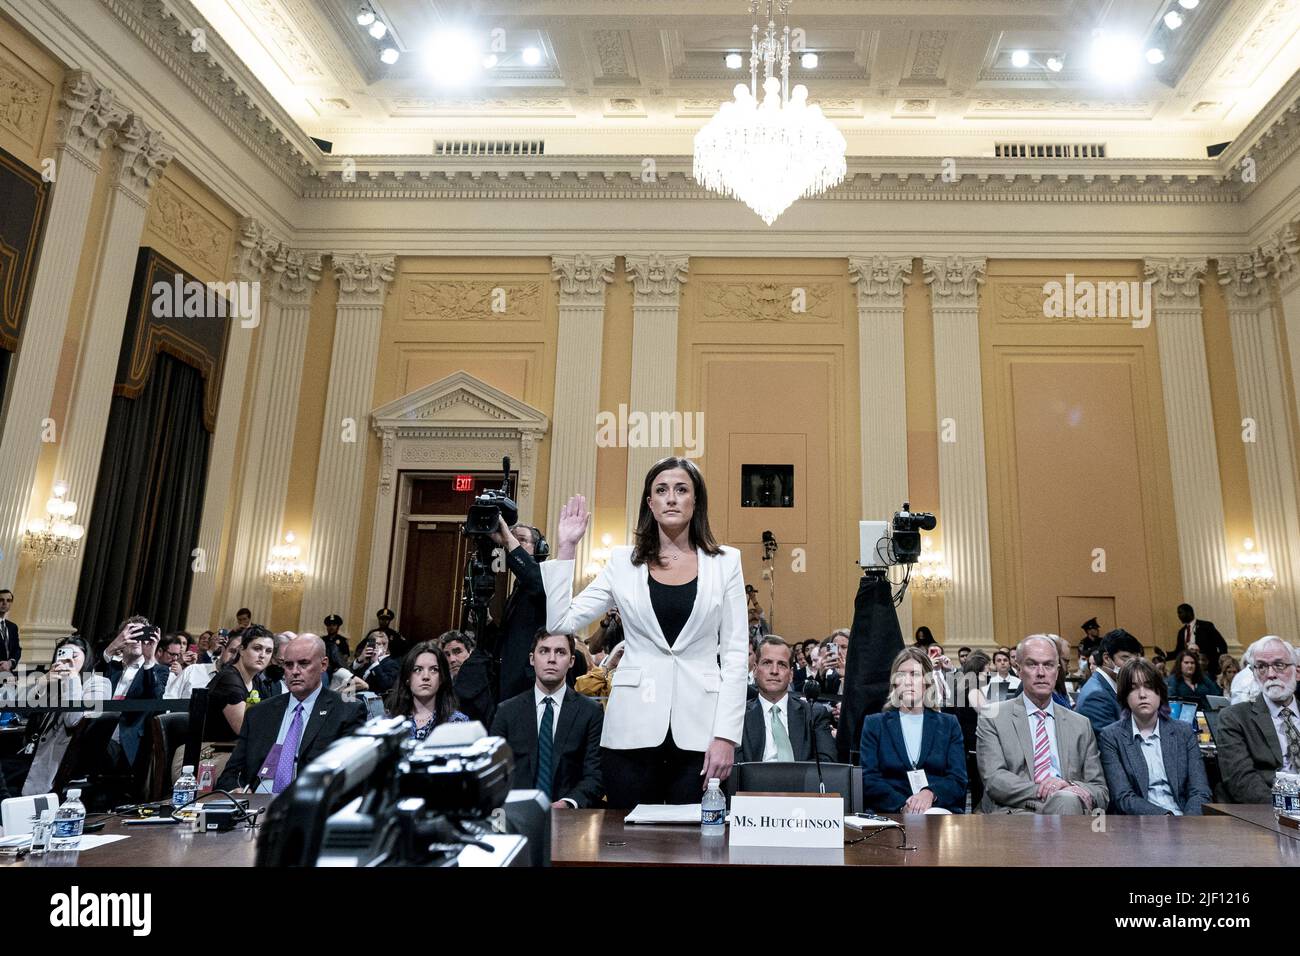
911, 736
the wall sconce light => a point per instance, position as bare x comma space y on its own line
931, 577
284, 570
54, 536
1253, 577
599, 556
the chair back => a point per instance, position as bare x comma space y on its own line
168, 735
799, 776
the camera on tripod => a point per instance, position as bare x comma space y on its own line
492, 505
882, 544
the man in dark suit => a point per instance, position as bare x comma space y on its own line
553, 731
1098, 700
1258, 738
11, 650
289, 731
1204, 635
779, 725
133, 673
525, 609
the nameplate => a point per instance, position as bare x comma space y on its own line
795, 820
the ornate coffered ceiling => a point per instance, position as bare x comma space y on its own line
912, 83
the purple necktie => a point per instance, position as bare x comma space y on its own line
288, 753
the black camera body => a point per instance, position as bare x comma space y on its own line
906, 533
487, 509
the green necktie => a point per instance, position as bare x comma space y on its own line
780, 737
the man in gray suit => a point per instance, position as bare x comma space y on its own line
796, 727
1258, 738
1034, 756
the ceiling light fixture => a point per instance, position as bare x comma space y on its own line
1115, 58
1173, 19
1020, 59
768, 154
389, 55
1155, 55
734, 61
365, 16
1189, 4
1055, 64
809, 61
532, 55
378, 29
453, 58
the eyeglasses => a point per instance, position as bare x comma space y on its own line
1277, 667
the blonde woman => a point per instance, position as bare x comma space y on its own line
913, 757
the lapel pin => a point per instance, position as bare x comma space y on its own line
322, 713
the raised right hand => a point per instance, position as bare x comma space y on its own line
574, 519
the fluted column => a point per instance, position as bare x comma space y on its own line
86, 113
1270, 462
1283, 255
657, 294
882, 393
963, 483
1193, 455
138, 160
363, 284
582, 280
290, 280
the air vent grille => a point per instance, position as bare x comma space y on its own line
487, 147
1050, 150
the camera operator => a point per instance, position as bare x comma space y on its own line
525, 610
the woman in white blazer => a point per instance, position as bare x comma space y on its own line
677, 700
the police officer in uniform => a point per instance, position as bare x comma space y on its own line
336, 645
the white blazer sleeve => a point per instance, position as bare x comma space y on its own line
566, 614
733, 649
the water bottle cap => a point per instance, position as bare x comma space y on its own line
188, 768
714, 782
74, 794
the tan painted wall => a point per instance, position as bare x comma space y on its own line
778, 387
1077, 460
610, 509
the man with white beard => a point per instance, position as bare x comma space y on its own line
1258, 738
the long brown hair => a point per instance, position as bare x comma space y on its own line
646, 550
401, 702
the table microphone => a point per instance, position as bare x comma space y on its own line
811, 691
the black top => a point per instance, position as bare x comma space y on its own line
227, 687
672, 604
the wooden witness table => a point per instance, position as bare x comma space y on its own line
600, 838
1256, 814
162, 846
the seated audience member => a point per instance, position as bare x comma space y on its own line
70, 680
971, 704
553, 730
943, 675
1153, 764
1188, 682
1061, 694
595, 683
779, 725
374, 666
1229, 668
923, 637
799, 671
1244, 687
1258, 738
232, 688
962, 654
913, 757
1035, 756
130, 668
423, 692
273, 676
832, 661
1098, 700
457, 645
200, 675
302, 723
207, 648
170, 654
1002, 676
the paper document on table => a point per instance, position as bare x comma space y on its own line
90, 841
860, 822
664, 813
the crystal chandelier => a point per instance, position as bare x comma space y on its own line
284, 570
769, 154
931, 576
54, 536
1252, 576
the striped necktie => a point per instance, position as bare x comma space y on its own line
545, 747
1292, 740
1042, 749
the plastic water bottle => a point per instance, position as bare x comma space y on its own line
185, 789
68, 823
713, 810
1292, 793
1279, 794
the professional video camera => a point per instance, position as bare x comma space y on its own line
480, 575
380, 799
482, 518
886, 544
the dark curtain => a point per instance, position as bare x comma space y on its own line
148, 503
5, 358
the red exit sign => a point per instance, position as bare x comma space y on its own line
464, 483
